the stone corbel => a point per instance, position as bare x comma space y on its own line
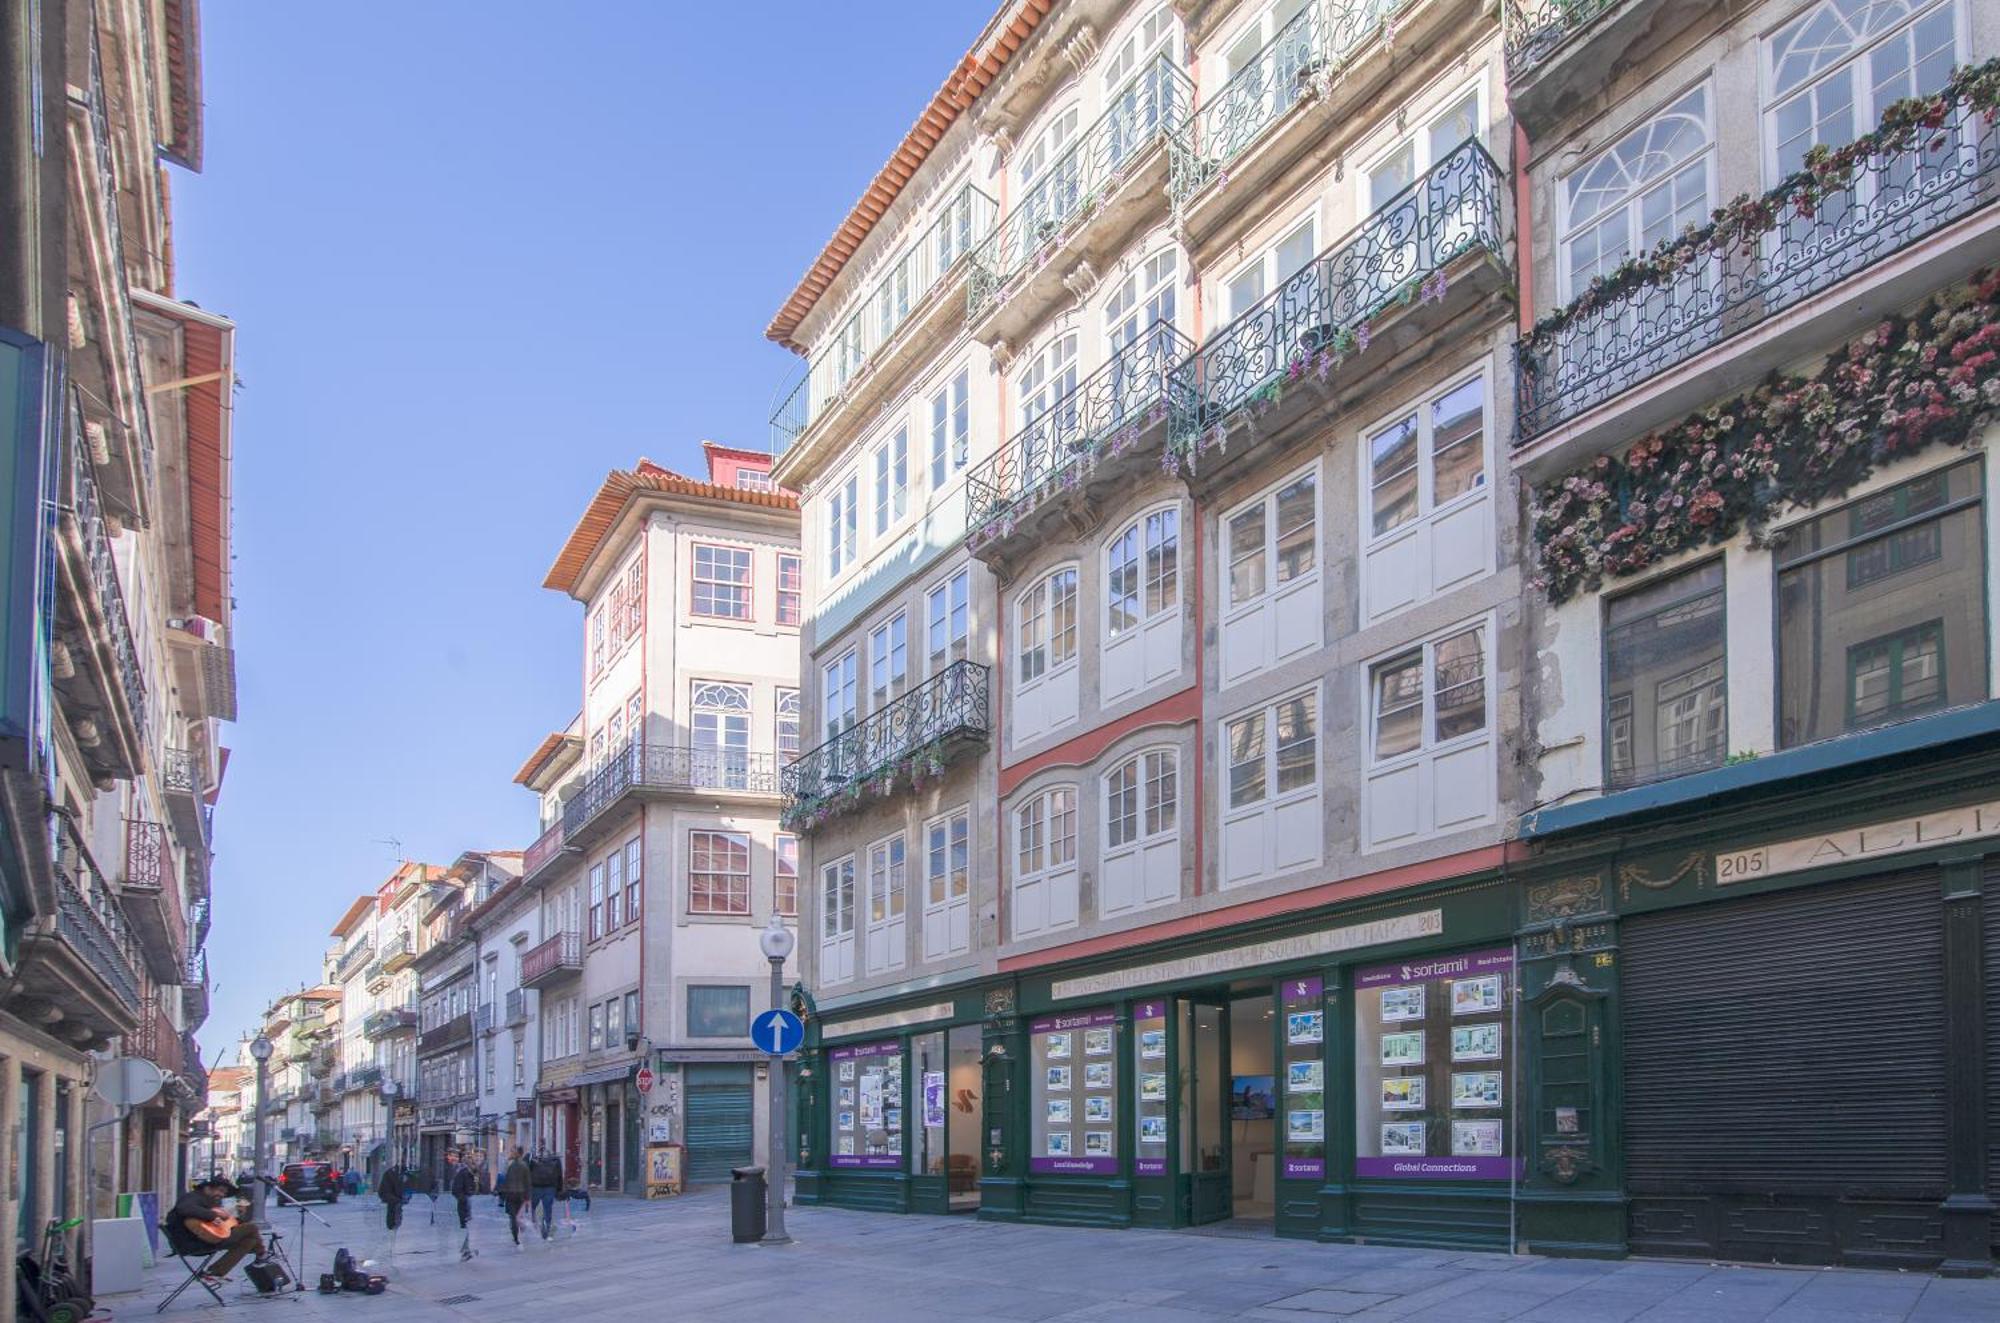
1080, 47
1003, 355
1080, 281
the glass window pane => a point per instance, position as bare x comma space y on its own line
1664, 677
1246, 555
1296, 551
1246, 761
1399, 705
1297, 752
1459, 685
1393, 471
1458, 451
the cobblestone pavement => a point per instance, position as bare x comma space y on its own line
674, 1260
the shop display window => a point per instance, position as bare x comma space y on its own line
1075, 1093
1149, 1086
1304, 1108
1432, 1051
867, 1111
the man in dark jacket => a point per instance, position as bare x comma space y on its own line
514, 1186
394, 1195
200, 1214
545, 1178
461, 1186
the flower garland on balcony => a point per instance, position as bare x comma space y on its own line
1929, 379
1739, 225
916, 768
1069, 478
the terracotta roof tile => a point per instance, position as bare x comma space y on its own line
621, 486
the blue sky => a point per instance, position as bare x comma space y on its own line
479, 255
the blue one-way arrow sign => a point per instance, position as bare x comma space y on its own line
778, 1032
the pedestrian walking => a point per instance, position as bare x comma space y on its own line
515, 1184
461, 1186
391, 1190
545, 1182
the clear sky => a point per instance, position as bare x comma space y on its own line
479, 254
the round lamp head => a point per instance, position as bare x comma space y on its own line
260, 1048
777, 940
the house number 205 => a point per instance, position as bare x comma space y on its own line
1741, 865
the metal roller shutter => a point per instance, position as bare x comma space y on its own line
719, 1125
1785, 1070
1990, 976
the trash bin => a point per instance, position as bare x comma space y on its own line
746, 1204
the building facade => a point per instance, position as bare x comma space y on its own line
376, 943
661, 856
118, 667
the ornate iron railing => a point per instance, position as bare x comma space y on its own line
517, 1006
961, 223
89, 514
388, 1020
456, 1030
560, 954
100, 130
1295, 64
951, 704
1533, 30
1057, 448
87, 918
1152, 107
198, 916
547, 846
1450, 210
363, 1077
1820, 236
638, 766
353, 958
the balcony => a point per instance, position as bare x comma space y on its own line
553, 961
94, 655
670, 768
194, 989
1082, 206
482, 1019
395, 956
453, 1032
1423, 258
363, 1077
911, 741
353, 958
1557, 51
1818, 261
914, 287
184, 778
78, 969
547, 848
517, 1006
198, 914
152, 899
1093, 440
389, 1020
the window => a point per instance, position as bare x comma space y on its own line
788, 724
1271, 798
597, 641
719, 1012
1142, 601
1425, 216
1666, 701
718, 872
721, 726
1142, 863
838, 681
635, 596
1882, 607
1049, 178
953, 227
755, 480
632, 1013
1272, 608
887, 878
1427, 518
1828, 97
791, 582
1138, 303
1285, 39
520, 1063
1291, 254
785, 887
722, 582
596, 1028
1648, 186
892, 480
843, 521
614, 1022
888, 661
947, 886
633, 854
1045, 683
1431, 764
614, 890
836, 921
635, 717
1045, 883
947, 606
596, 901
1046, 392
951, 429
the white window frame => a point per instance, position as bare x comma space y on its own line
1265, 263
947, 885
840, 681
1147, 832
1263, 812
1567, 232
1234, 616
1048, 872
843, 525
1164, 623
743, 590
951, 428
1429, 513
1051, 669
888, 661
938, 610
836, 920
1429, 749
1417, 136
889, 462
888, 881
785, 708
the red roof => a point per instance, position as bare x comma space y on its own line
621, 487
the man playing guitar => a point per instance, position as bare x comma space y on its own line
201, 1212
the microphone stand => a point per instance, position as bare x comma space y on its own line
285, 1196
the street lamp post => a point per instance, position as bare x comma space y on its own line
260, 1052
777, 941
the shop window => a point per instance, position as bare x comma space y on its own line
1431, 1068
1045, 678
887, 878
1429, 521
1073, 1108
719, 1012
1142, 604
1271, 820
1045, 881
718, 872
1142, 844
1882, 608
1430, 740
836, 921
1149, 1086
1271, 609
867, 1106
1666, 701
1305, 1079
947, 886
947, 612
721, 582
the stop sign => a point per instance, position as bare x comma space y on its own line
645, 1079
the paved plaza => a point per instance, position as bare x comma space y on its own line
674, 1260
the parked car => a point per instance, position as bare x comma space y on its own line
310, 1181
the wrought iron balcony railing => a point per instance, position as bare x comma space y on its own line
640, 766
1326, 306
88, 920
1818, 236
1151, 108
389, 1020
1063, 443
456, 1030
185, 781
1293, 66
152, 897
1533, 30
547, 846
517, 1006
559, 957
194, 989
89, 514
364, 1077
961, 223
353, 958
913, 736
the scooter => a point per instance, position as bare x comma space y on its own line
47, 1291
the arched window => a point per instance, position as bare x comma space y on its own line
1047, 174
1142, 603
1648, 186
1044, 858
1139, 353
1138, 83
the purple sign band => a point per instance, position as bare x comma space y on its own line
1073, 1020
865, 1160
1496, 960
1303, 989
1150, 1010
889, 1049
1075, 1166
1152, 1166
1439, 1169
1304, 1169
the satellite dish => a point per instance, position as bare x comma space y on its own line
129, 1082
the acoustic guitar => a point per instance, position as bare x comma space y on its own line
216, 1231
